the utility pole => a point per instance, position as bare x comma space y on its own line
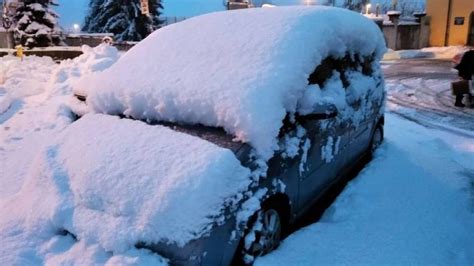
448, 23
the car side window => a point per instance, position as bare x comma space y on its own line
344, 65
325, 69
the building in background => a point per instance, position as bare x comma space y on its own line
452, 22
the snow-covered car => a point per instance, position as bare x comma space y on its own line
205, 141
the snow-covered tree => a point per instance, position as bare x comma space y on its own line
406, 7
37, 24
356, 5
123, 18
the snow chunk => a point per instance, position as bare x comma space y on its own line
291, 143
327, 152
251, 206
244, 77
304, 157
136, 257
116, 182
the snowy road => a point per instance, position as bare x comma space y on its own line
419, 90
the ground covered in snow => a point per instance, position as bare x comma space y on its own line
420, 90
413, 204
36, 112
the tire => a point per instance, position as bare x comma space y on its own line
376, 140
264, 233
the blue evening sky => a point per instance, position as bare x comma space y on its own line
74, 11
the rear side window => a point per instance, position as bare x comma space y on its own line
342, 65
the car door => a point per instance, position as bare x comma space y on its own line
361, 125
325, 157
359, 139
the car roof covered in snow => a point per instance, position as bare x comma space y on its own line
241, 70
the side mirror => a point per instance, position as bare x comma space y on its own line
320, 112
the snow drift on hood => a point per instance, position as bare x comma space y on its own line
241, 70
116, 182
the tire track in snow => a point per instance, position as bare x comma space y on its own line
421, 97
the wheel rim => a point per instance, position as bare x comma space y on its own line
376, 139
270, 233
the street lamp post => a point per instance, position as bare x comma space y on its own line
76, 28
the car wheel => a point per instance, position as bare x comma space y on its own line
377, 139
263, 236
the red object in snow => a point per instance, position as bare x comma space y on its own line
457, 58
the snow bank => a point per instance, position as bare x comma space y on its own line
33, 93
445, 52
25, 78
430, 52
412, 205
406, 54
241, 70
116, 182
36, 75
36, 115
27, 248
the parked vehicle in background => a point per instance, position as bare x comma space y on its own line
238, 120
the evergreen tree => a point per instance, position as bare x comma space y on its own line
37, 24
123, 18
94, 12
355, 5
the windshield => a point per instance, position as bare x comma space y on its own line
212, 134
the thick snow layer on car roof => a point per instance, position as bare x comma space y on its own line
116, 182
241, 70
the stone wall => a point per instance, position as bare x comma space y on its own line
403, 35
57, 55
4, 39
90, 39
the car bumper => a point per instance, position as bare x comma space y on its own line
215, 249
